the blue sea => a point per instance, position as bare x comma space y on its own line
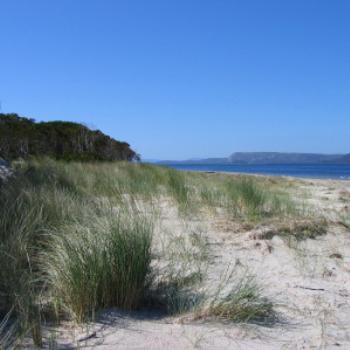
316, 171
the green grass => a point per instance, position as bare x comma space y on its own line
241, 302
46, 211
26, 211
247, 198
179, 189
243, 197
73, 238
98, 264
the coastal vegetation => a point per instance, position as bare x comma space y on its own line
79, 237
24, 138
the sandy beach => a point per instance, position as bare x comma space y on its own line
308, 281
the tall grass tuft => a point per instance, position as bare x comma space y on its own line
247, 198
178, 189
243, 302
42, 201
26, 210
100, 263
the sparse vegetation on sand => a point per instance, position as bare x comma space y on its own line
242, 302
345, 220
77, 237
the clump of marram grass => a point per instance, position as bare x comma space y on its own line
242, 305
210, 191
45, 197
98, 264
26, 210
239, 300
247, 198
178, 189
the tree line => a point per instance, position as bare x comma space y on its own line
23, 138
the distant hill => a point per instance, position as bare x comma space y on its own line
281, 158
344, 159
270, 158
22, 138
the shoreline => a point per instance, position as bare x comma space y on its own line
300, 171
290, 177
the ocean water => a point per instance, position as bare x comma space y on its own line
318, 171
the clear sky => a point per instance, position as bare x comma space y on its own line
184, 78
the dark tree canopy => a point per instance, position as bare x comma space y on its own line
23, 138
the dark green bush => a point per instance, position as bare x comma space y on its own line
23, 138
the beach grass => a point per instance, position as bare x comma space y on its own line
77, 237
103, 262
238, 298
52, 229
243, 303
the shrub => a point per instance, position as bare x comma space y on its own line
22, 138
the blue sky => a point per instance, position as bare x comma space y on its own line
184, 78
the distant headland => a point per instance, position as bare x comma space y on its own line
271, 158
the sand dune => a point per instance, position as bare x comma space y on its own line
308, 281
